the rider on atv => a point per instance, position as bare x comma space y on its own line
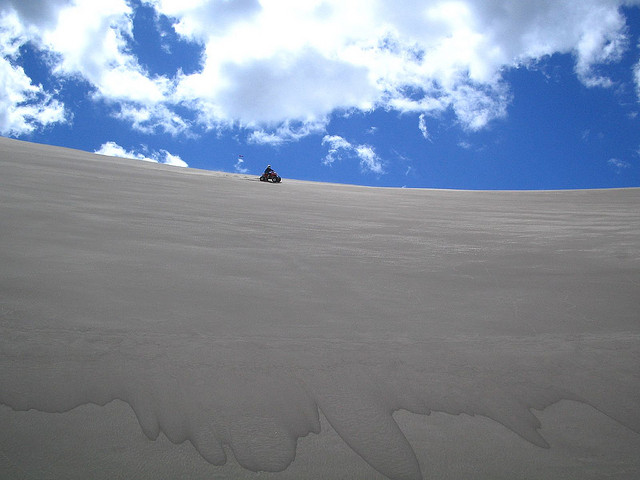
270, 175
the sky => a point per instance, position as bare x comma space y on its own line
467, 94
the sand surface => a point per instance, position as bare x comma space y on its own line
159, 322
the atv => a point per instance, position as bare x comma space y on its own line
270, 177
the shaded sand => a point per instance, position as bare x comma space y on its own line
158, 322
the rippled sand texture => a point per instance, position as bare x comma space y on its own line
363, 332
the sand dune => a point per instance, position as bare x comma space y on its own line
158, 322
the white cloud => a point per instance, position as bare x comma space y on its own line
287, 132
422, 126
37, 13
150, 119
369, 160
239, 166
90, 38
198, 19
336, 144
169, 159
603, 41
475, 105
636, 77
303, 60
618, 164
340, 148
112, 149
267, 64
24, 106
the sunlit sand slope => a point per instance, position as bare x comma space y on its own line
158, 322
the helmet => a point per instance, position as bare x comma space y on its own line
268, 166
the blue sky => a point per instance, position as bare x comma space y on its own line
470, 94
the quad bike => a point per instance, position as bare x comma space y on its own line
270, 177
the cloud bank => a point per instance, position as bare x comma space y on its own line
112, 149
266, 65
